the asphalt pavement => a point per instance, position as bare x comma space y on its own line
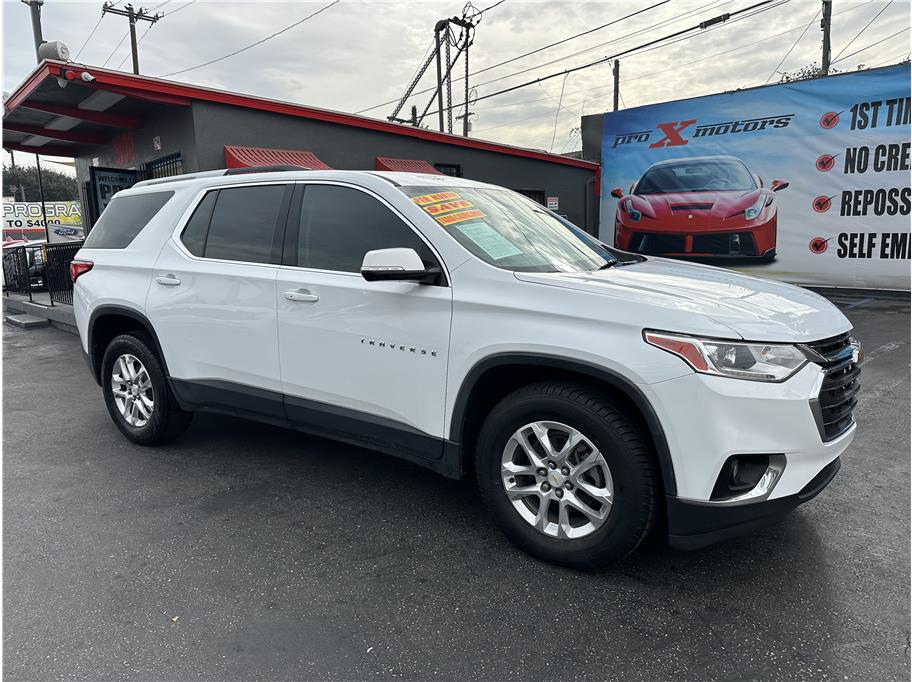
244, 551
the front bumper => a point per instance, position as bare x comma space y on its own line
708, 419
744, 240
692, 525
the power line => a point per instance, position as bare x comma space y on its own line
794, 45
182, 7
527, 54
252, 45
868, 47
557, 112
500, 2
702, 25
94, 28
675, 67
116, 47
864, 28
888, 60
651, 74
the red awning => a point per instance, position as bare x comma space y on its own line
406, 165
245, 157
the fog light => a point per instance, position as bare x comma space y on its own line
739, 474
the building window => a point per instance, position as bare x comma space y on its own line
453, 169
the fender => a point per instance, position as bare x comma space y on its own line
619, 382
121, 311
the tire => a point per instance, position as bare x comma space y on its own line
768, 257
631, 475
144, 425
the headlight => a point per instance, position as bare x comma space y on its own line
752, 361
753, 211
634, 214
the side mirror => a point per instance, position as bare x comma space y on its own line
396, 265
617, 192
778, 184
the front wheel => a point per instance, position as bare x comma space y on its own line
136, 392
567, 476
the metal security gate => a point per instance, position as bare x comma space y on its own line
57, 270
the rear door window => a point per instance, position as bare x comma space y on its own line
124, 218
241, 227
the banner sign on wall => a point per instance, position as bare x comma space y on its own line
24, 220
807, 182
106, 182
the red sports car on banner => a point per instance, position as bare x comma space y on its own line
699, 207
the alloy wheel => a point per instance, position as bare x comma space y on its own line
557, 479
132, 389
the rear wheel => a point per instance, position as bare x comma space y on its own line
566, 475
136, 392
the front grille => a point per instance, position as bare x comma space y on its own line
724, 244
839, 393
657, 244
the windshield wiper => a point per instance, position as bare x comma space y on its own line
609, 264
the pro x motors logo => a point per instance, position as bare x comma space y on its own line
677, 133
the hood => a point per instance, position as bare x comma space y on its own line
714, 205
754, 309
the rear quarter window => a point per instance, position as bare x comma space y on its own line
124, 218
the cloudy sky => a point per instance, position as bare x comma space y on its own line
358, 54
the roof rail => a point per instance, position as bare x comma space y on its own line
180, 178
265, 169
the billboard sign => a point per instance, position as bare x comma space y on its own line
24, 220
807, 182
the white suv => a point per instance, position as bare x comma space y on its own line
593, 393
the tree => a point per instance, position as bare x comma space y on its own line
57, 186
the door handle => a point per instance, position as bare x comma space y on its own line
168, 280
302, 295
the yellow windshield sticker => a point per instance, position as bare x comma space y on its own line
425, 199
448, 206
459, 217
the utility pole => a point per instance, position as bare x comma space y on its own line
825, 25
133, 16
47, 234
466, 124
35, 8
442, 25
617, 82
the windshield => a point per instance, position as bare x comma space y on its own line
509, 231
696, 176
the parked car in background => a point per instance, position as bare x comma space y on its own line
34, 260
699, 207
594, 394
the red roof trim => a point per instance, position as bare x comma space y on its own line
62, 135
245, 157
24, 90
140, 86
44, 150
99, 117
385, 163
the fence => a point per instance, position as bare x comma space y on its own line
36, 267
57, 270
16, 271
